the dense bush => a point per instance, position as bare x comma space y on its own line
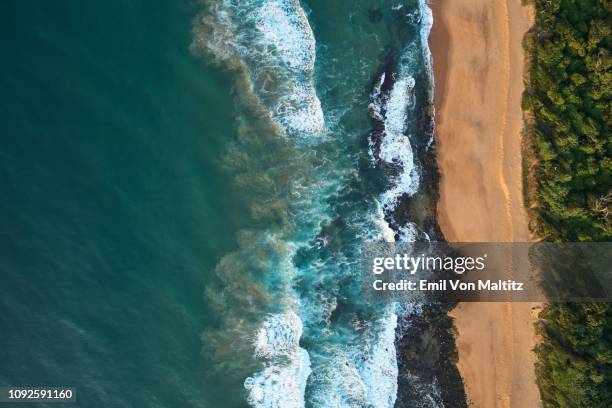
568, 97
574, 367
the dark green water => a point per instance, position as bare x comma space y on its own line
114, 207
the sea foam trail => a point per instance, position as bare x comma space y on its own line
361, 373
274, 43
392, 97
390, 101
379, 370
395, 147
282, 382
426, 25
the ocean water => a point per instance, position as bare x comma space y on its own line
186, 187
335, 103
115, 202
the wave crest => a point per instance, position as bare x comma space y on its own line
273, 44
282, 382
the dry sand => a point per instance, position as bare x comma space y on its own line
478, 64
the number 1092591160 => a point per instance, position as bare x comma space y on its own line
48, 394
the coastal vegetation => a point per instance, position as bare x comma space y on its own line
569, 96
569, 184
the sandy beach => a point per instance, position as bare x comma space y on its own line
478, 64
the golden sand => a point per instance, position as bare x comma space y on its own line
478, 63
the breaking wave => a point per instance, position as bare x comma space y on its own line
293, 284
390, 101
271, 40
282, 382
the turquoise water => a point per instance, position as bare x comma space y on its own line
183, 210
334, 102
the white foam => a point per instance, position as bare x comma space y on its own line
299, 110
276, 46
362, 373
399, 99
426, 25
379, 370
282, 381
385, 232
395, 146
409, 232
278, 336
284, 26
377, 104
287, 35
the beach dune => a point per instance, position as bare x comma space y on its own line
478, 67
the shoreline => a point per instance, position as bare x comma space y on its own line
478, 70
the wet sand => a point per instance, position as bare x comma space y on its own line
478, 68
